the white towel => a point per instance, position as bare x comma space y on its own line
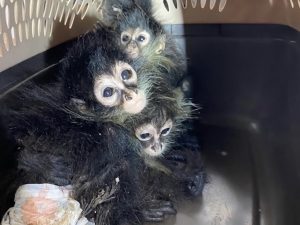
44, 204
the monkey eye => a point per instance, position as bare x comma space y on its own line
141, 38
108, 92
125, 38
165, 131
126, 74
145, 137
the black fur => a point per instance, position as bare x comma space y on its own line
61, 149
100, 159
113, 9
91, 55
138, 14
62, 146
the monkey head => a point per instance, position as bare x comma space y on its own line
141, 36
154, 135
134, 40
161, 120
139, 33
119, 89
101, 81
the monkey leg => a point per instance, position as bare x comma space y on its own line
157, 210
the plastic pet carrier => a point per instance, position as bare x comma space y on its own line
244, 66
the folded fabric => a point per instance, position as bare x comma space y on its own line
44, 204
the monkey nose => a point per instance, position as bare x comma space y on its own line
133, 44
127, 97
156, 147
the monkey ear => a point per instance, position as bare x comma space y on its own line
161, 44
79, 104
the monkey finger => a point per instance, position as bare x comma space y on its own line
167, 210
154, 204
153, 216
196, 185
158, 215
165, 207
153, 220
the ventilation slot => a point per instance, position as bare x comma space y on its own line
7, 17
295, 3
184, 3
194, 3
31, 6
13, 36
5, 41
23, 9
16, 12
20, 30
2, 3
21, 20
211, 4
0, 24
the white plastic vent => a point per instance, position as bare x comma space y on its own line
211, 4
295, 3
28, 27
21, 20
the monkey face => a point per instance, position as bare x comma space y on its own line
134, 40
140, 33
154, 138
120, 89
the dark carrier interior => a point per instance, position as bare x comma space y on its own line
246, 79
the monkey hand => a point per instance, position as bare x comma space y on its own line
188, 171
195, 184
158, 210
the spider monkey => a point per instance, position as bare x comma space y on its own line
142, 36
65, 129
67, 132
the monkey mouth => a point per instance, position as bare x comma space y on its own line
133, 54
137, 104
154, 152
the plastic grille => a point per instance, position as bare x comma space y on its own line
29, 27
211, 4
21, 20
